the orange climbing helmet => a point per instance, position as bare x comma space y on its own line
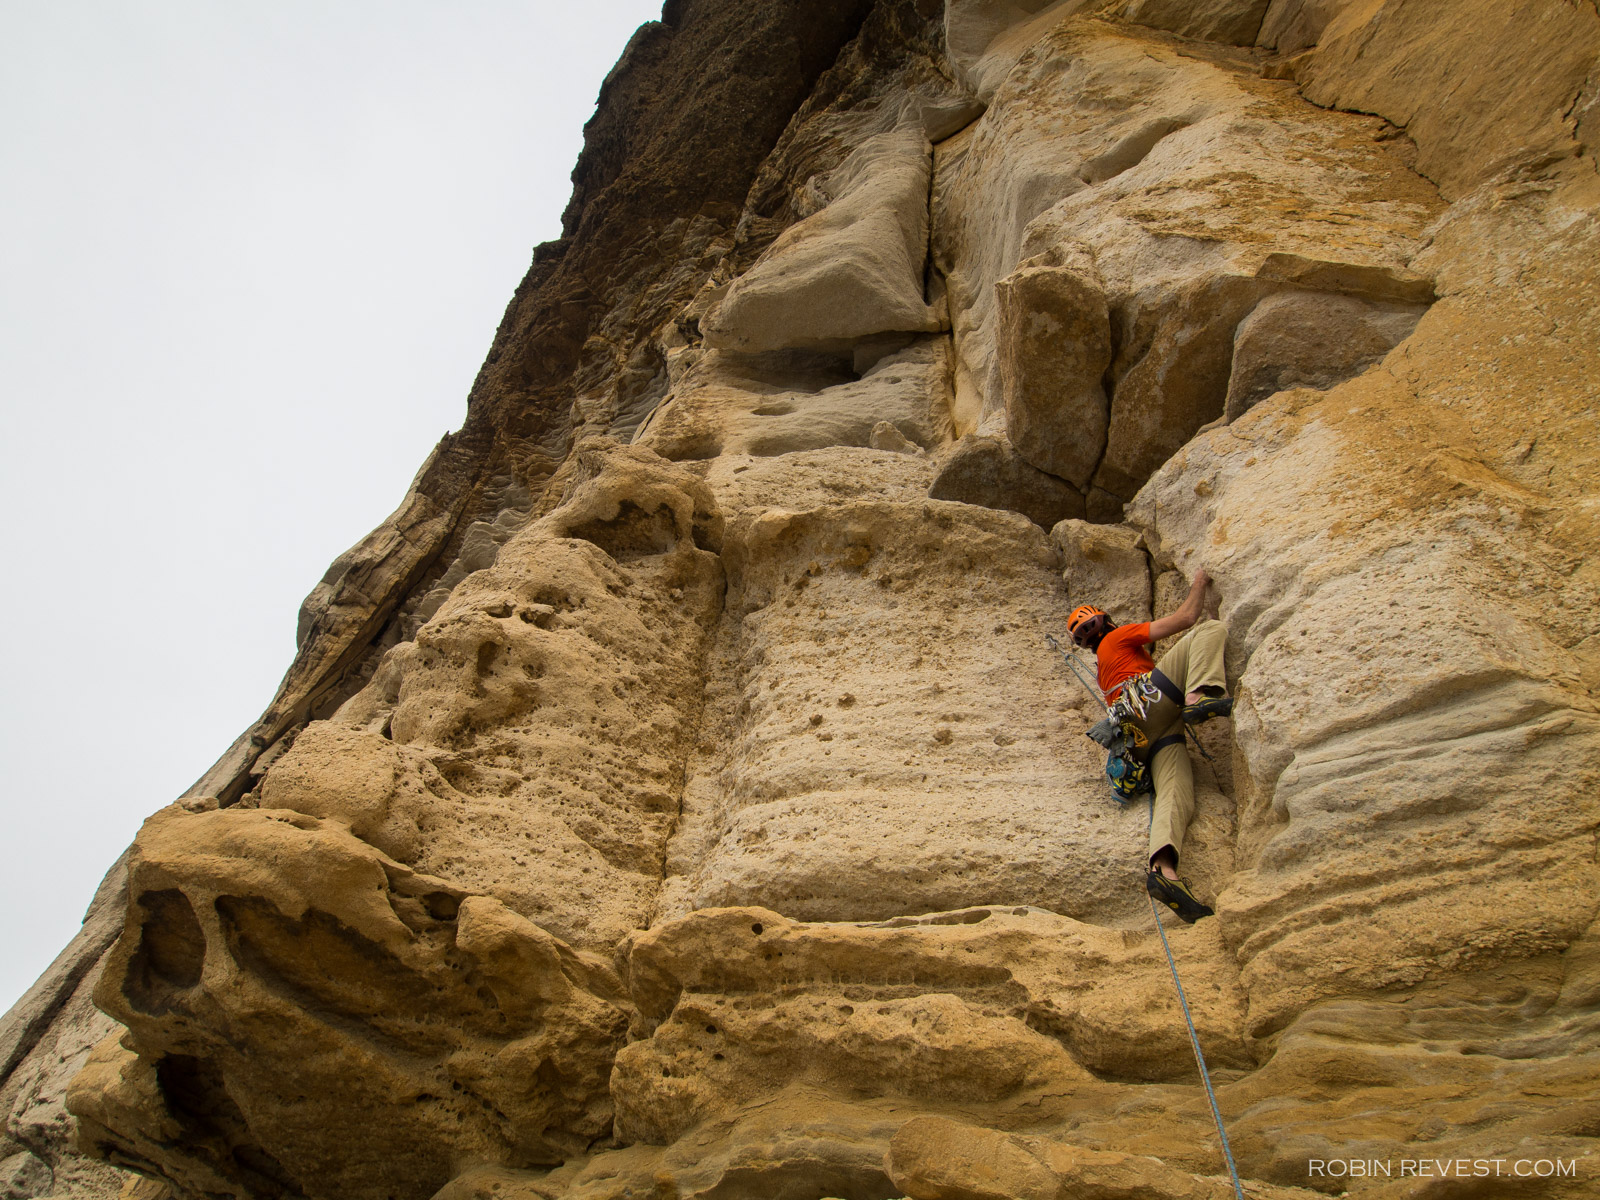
1081, 616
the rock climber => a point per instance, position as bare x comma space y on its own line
1158, 699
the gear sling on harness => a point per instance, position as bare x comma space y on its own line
1128, 762
1128, 752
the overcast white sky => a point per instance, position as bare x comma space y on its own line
252, 256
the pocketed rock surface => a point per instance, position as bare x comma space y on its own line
677, 796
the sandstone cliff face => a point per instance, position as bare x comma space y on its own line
677, 797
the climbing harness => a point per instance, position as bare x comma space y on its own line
1111, 732
1129, 752
1194, 1038
1127, 771
1128, 755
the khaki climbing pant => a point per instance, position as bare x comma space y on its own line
1195, 662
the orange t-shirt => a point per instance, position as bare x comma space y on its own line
1123, 654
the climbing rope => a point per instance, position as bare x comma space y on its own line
1194, 1038
1195, 738
1155, 912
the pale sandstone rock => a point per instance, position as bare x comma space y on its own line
34, 1101
986, 37
1105, 566
1177, 356
933, 1047
885, 436
1229, 21
36, 1119
31, 1018
1373, 281
933, 1158
814, 478
739, 1003
1438, 1064
813, 1146
1305, 339
1291, 26
345, 612
528, 744
723, 404
44, 1040
234, 1054
1054, 347
1457, 724
988, 471
851, 270
889, 739
1162, 170
1490, 86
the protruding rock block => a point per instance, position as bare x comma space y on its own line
772, 404
1371, 281
1234, 22
1014, 1009
1054, 348
989, 471
1105, 566
1185, 186
1311, 339
847, 272
1173, 363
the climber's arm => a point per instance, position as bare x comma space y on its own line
1188, 612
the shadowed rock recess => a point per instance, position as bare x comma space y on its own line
676, 796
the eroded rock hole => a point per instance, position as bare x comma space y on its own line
324, 966
215, 1129
171, 953
706, 530
632, 533
804, 371
487, 653
441, 906
692, 449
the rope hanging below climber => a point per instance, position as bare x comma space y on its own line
1149, 708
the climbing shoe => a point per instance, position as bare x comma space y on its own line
1175, 894
1204, 710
